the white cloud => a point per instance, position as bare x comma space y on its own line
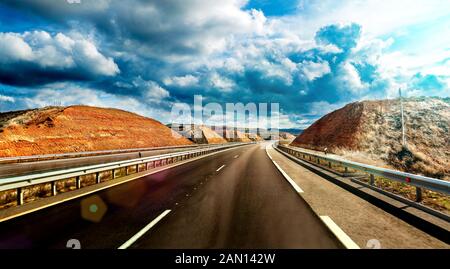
313, 70
376, 17
323, 107
156, 92
74, 95
13, 48
182, 81
194, 27
349, 79
221, 83
4, 98
87, 56
68, 94
59, 52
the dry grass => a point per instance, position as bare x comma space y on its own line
371, 132
374, 136
427, 123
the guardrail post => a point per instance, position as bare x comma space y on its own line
113, 174
372, 179
137, 168
97, 177
346, 169
78, 182
126, 170
418, 194
19, 196
329, 164
318, 161
53, 184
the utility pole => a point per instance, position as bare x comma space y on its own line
403, 118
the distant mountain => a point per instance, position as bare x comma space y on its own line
203, 134
294, 131
371, 132
240, 134
79, 128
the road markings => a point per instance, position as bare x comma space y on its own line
339, 233
220, 168
144, 230
286, 176
55, 200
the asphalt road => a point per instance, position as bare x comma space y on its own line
17, 169
245, 204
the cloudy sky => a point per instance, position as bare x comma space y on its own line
310, 56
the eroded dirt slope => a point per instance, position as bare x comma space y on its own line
79, 128
371, 132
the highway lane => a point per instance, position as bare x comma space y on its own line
248, 204
129, 207
16, 169
245, 204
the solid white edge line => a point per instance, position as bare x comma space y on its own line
339, 233
144, 230
220, 168
288, 178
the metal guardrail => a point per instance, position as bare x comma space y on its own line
419, 182
87, 153
19, 183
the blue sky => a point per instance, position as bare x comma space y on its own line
145, 56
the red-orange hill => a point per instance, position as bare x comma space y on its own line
80, 128
339, 129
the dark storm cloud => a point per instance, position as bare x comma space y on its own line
153, 28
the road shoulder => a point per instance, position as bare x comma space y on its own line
362, 221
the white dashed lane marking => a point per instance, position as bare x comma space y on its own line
144, 230
220, 168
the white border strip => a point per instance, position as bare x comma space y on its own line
288, 178
339, 233
144, 230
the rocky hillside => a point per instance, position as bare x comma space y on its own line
199, 134
233, 135
371, 132
79, 128
286, 136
